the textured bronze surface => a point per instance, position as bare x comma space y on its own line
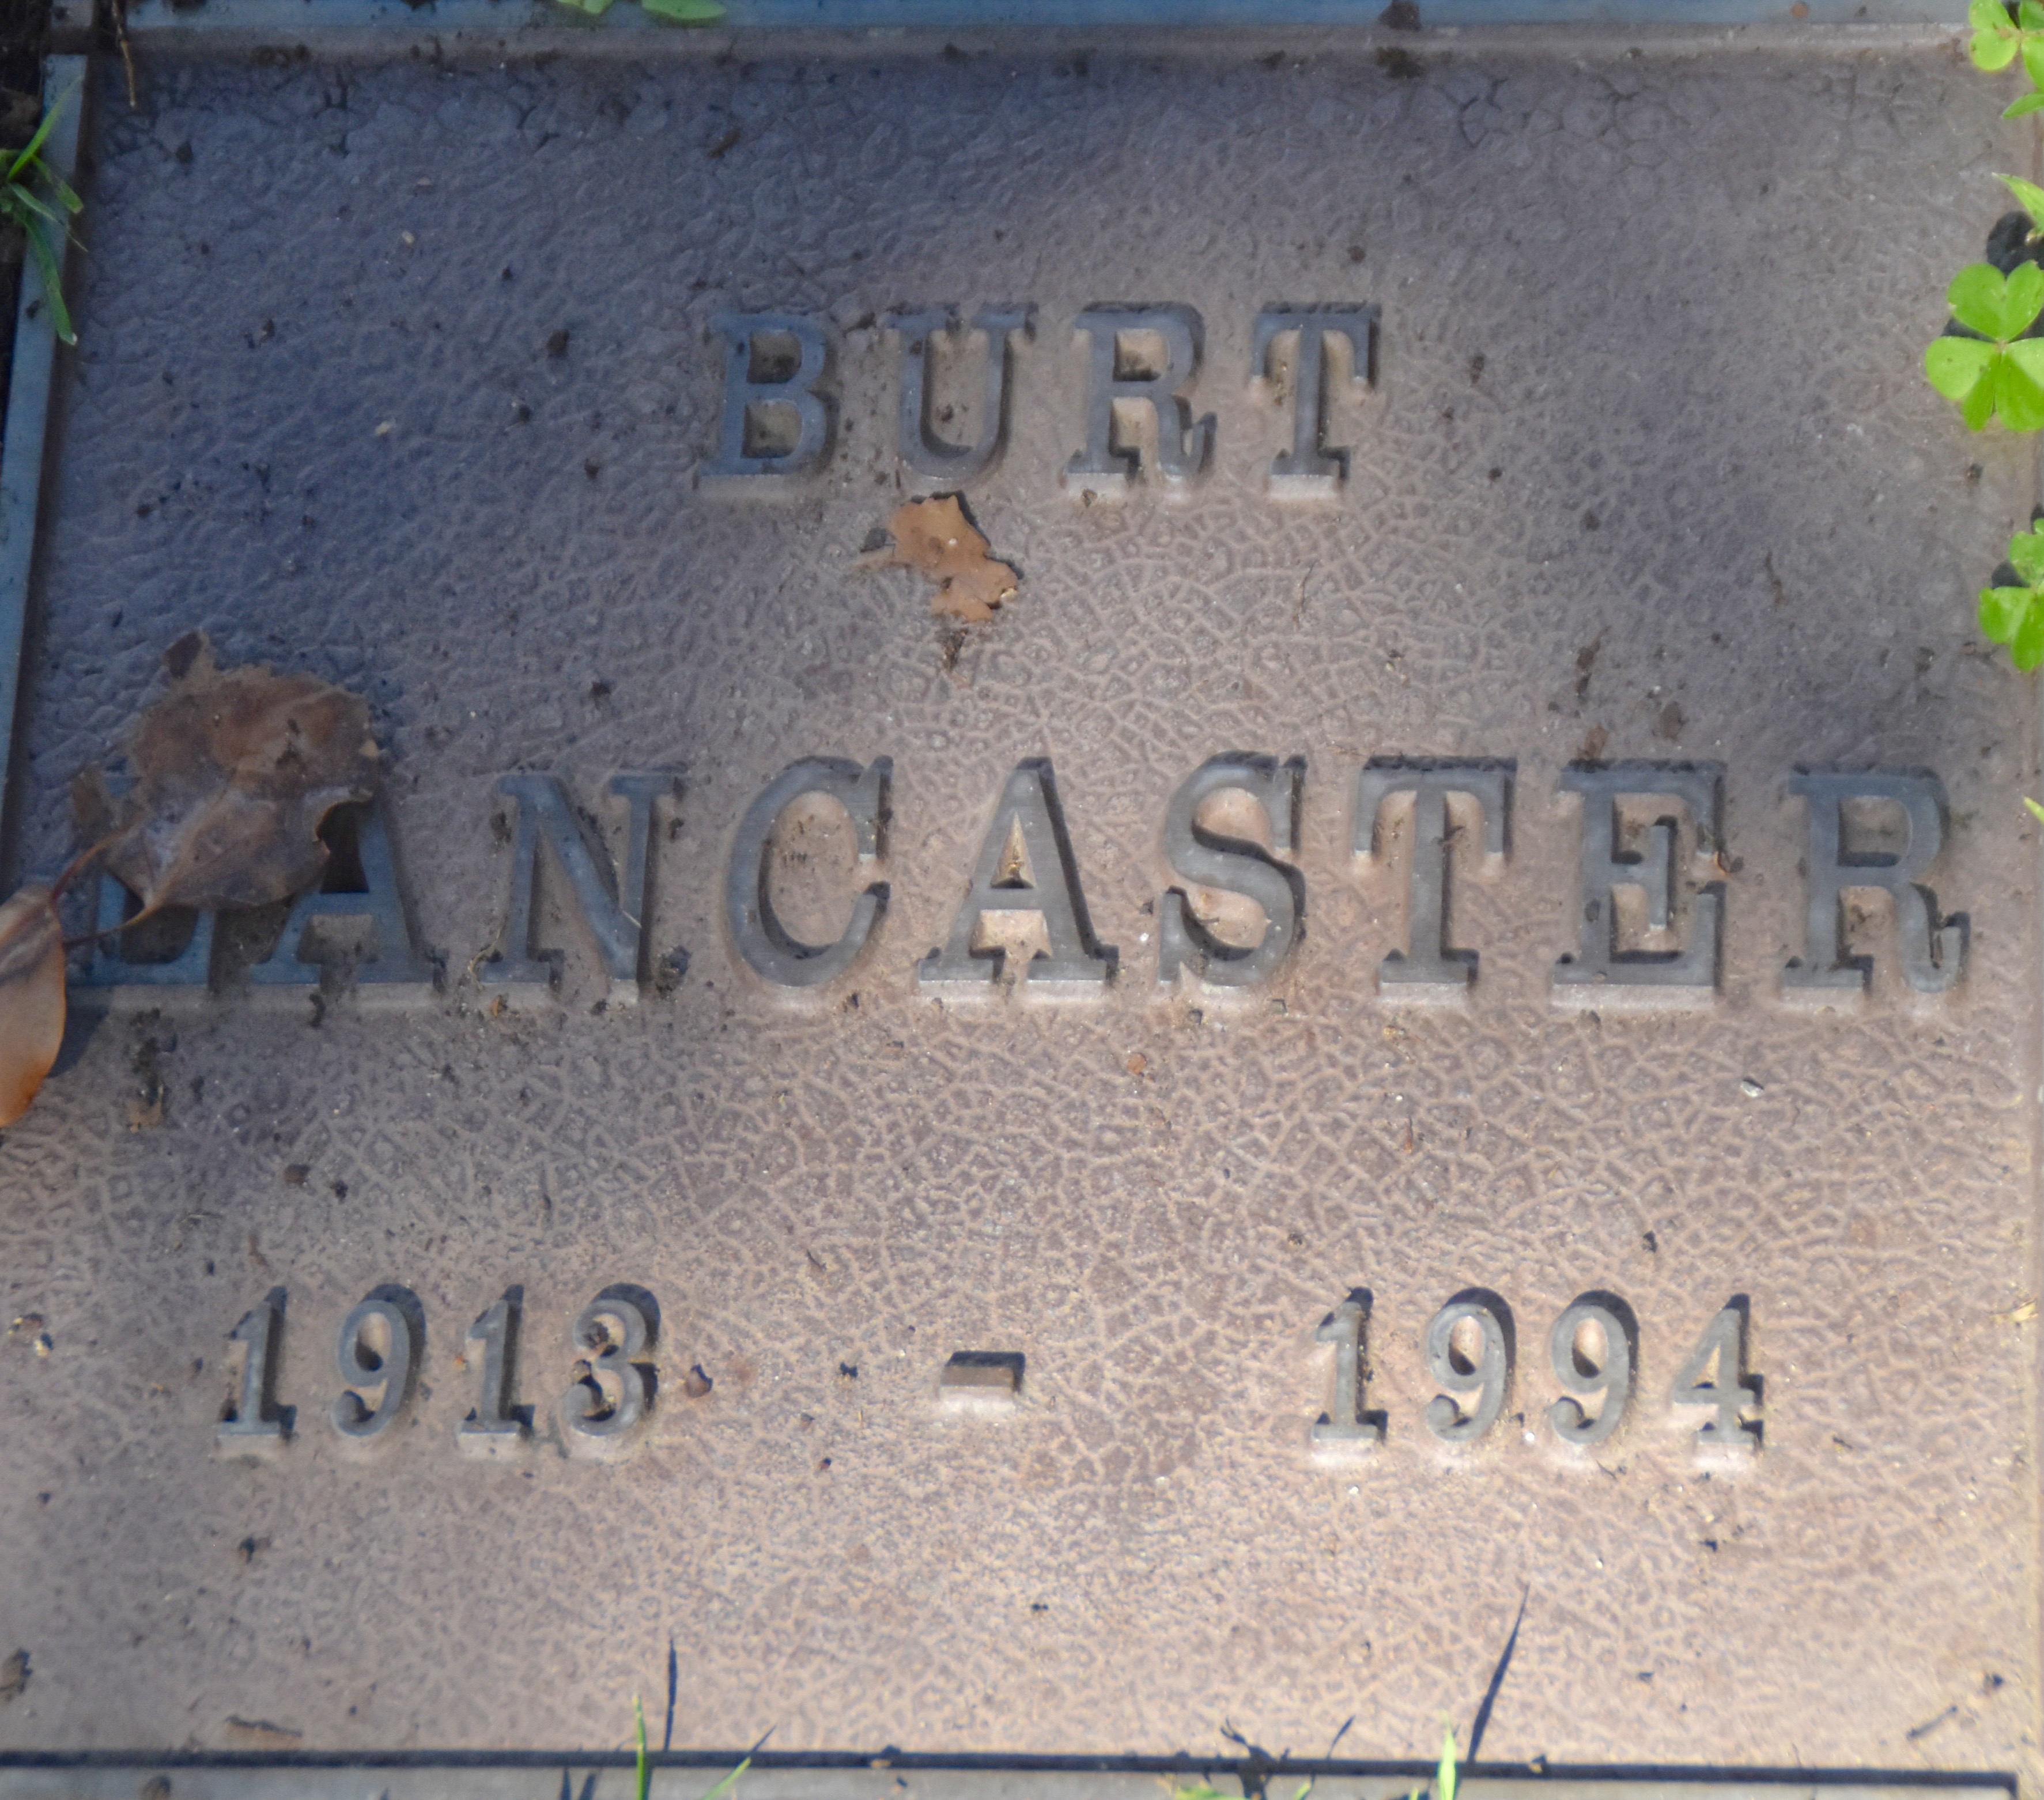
400, 374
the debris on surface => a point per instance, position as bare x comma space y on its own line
235, 769
14, 1673
263, 1735
32, 997
934, 538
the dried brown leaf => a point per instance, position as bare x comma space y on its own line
32, 997
235, 768
934, 537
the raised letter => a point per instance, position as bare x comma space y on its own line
1426, 962
108, 970
1345, 1429
388, 964
1599, 971
1234, 867
1483, 1370
760, 390
604, 1409
1121, 379
1309, 470
1025, 866
496, 1427
1610, 1324
616, 916
1934, 948
922, 448
383, 1368
254, 1425
769, 951
1729, 1393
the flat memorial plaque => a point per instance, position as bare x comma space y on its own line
1435, 1023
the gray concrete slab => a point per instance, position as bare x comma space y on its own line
203, 1781
403, 372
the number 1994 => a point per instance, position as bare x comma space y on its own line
1592, 1352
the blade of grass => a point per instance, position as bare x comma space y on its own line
46, 266
67, 195
34, 143
19, 196
729, 1782
645, 1769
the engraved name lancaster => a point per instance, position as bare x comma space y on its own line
1653, 888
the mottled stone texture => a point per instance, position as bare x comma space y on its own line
1649, 457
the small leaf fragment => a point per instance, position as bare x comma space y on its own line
2025, 552
32, 997
684, 12
2026, 648
2018, 396
2037, 813
1976, 295
2002, 612
1995, 39
235, 769
2022, 300
2028, 196
1993, 51
934, 537
1956, 365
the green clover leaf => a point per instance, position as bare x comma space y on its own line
1960, 368
2015, 616
1998, 371
2026, 555
1996, 39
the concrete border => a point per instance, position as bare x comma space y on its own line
893, 1775
1195, 28
31, 387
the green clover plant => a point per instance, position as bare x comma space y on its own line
2000, 373
1998, 40
1994, 370
34, 212
2015, 616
